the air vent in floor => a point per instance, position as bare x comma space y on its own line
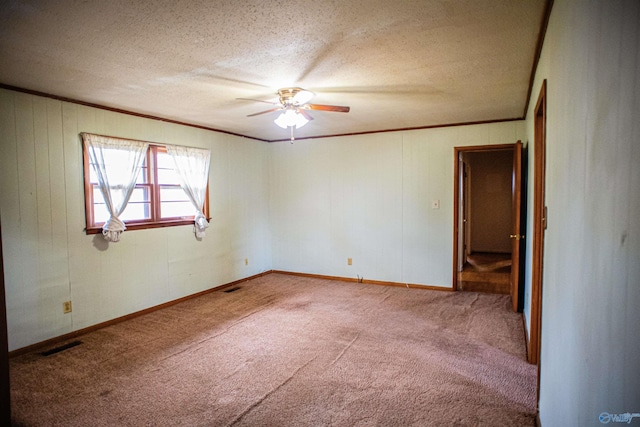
231, 290
61, 348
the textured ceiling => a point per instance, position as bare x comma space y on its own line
397, 64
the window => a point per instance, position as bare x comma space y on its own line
157, 200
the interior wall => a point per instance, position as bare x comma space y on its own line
369, 198
490, 198
48, 257
590, 318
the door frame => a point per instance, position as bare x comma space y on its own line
5, 396
456, 197
539, 226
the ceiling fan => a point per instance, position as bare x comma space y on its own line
294, 105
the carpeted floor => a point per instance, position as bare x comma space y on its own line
290, 351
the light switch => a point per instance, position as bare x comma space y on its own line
435, 204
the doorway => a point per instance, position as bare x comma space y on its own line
488, 219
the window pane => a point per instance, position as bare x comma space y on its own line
164, 160
97, 195
138, 208
136, 211
133, 212
173, 194
140, 194
177, 209
100, 213
168, 177
142, 177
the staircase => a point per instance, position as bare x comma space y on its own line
486, 272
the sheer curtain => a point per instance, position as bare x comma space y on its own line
117, 163
192, 166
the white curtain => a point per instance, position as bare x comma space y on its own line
117, 163
192, 166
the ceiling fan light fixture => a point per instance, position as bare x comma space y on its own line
302, 97
291, 118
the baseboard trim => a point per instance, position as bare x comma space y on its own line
526, 334
75, 334
72, 335
365, 281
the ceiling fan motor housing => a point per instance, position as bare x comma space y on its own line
288, 96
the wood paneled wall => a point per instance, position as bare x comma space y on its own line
589, 361
48, 257
369, 198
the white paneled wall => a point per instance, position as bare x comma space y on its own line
48, 257
368, 198
590, 351
303, 207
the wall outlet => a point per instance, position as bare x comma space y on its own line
246, 261
349, 261
66, 307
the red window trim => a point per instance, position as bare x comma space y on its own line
92, 228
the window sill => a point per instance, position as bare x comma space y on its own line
145, 225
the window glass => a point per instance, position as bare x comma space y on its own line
136, 211
166, 171
138, 208
175, 203
100, 213
177, 209
168, 177
173, 194
113, 160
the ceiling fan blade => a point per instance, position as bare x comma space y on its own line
335, 108
265, 112
258, 100
305, 114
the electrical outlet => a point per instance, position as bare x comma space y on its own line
246, 261
66, 307
349, 261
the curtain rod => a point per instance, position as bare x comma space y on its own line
159, 144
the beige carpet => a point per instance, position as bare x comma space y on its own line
290, 351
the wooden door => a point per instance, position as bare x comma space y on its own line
466, 202
461, 214
464, 239
516, 233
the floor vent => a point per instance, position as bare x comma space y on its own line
232, 289
61, 348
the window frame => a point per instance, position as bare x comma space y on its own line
154, 199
